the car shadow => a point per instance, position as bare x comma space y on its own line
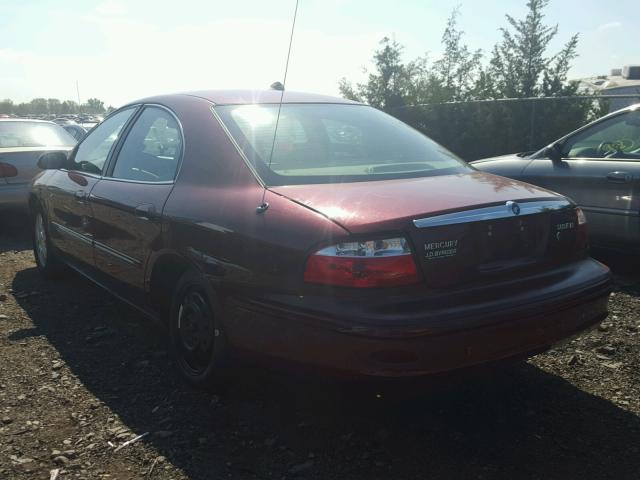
517, 422
625, 268
15, 230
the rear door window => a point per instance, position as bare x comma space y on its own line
151, 152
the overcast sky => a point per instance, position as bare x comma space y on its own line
122, 50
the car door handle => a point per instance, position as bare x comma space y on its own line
146, 211
619, 177
80, 196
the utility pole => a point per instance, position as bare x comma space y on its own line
78, 92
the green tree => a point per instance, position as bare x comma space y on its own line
554, 82
392, 83
434, 97
94, 105
22, 109
395, 84
39, 106
348, 91
54, 106
69, 106
458, 69
7, 106
520, 65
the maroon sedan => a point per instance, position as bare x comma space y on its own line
321, 231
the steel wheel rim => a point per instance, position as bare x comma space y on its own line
196, 332
41, 240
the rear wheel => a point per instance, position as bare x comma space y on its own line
46, 258
197, 341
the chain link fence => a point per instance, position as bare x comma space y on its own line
487, 128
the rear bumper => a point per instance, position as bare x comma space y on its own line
424, 342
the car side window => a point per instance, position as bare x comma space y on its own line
95, 148
151, 152
615, 138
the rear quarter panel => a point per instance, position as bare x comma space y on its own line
210, 217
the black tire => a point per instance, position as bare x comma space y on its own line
46, 258
197, 341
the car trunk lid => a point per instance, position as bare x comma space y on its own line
366, 207
462, 227
494, 241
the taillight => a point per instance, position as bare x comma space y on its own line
582, 236
8, 170
374, 263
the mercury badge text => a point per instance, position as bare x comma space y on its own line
446, 248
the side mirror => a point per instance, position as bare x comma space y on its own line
553, 152
52, 160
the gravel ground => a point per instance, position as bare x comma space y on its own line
81, 374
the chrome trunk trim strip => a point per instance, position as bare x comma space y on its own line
505, 210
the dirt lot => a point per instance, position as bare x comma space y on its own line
81, 373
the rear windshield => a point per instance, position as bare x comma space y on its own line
33, 134
332, 143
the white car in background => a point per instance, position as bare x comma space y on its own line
22, 142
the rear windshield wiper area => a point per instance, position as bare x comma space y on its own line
400, 167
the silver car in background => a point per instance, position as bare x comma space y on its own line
76, 131
22, 142
598, 166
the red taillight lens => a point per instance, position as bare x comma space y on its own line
582, 235
376, 263
8, 170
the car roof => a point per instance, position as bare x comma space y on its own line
241, 97
32, 120
634, 106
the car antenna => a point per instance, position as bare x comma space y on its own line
280, 87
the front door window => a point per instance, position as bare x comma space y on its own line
92, 153
615, 138
151, 152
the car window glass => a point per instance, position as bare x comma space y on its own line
152, 149
615, 138
291, 134
94, 150
344, 139
329, 143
